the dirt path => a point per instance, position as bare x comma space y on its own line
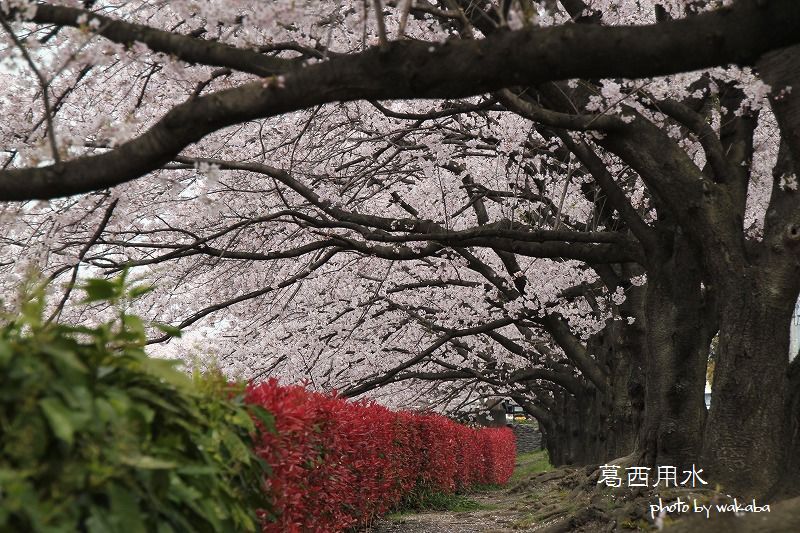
497, 511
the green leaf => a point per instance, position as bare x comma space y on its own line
239, 452
132, 428
58, 416
139, 290
125, 510
138, 393
148, 462
67, 328
242, 419
119, 399
98, 522
134, 324
5, 352
7, 475
265, 417
164, 369
65, 357
104, 411
198, 470
100, 290
172, 331
31, 311
146, 413
103, 371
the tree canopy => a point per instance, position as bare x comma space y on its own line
563, 202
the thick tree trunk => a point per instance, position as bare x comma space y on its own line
619, 347
678, 339
781, 70
744, 441
789, 484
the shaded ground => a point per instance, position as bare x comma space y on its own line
570, 500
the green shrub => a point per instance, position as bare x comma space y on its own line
96, 436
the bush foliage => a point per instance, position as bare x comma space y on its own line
95, 436
338, 464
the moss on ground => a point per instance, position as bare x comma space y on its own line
529, 464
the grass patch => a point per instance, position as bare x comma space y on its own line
530, 464
439, 501
397, 516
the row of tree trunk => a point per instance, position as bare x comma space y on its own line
653, 411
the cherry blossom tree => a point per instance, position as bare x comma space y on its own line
546, 200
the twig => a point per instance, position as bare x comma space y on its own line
384, 42
51, 133
404, 18
95, 237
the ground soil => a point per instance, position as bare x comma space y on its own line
528, 505
500, 515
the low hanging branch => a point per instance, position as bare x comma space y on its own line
405, 69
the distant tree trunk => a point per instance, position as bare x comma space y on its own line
625, 360
615, 415
496, 415
595, 426
573, 439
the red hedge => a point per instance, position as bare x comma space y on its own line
337, 464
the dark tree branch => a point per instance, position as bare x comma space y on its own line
387, 377
411, 69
